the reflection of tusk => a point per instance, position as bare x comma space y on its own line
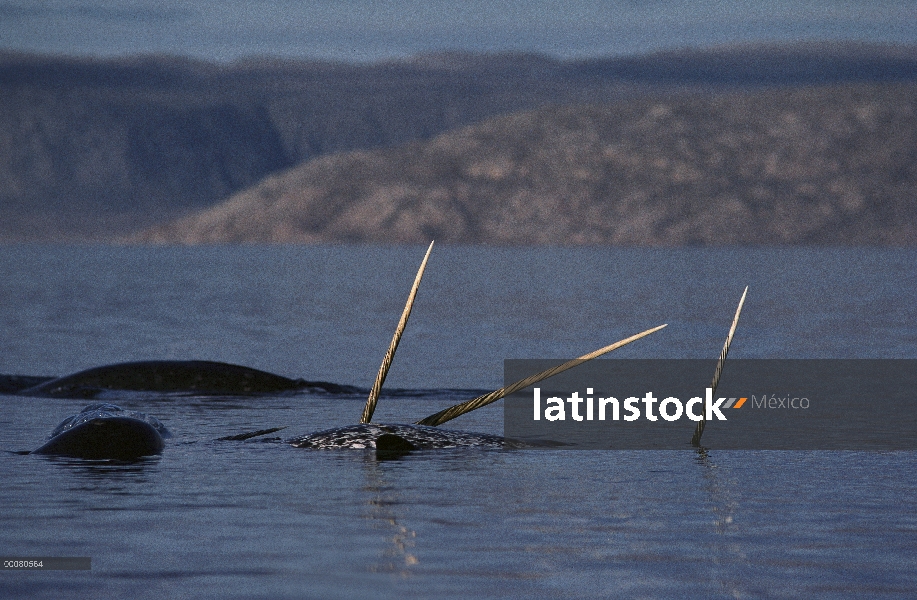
387, 361
460, 409
699, 430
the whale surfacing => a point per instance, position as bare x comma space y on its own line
394, 441
199, 377
408, 437
106, 431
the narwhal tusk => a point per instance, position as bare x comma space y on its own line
390, 355
460, 409
699, 430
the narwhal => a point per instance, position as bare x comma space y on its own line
393, 440
106, 431
198, 377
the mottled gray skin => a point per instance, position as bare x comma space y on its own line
106, 431
173, 376
389, 441
399, 438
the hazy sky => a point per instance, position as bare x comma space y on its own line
365, 30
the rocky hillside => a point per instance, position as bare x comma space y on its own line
817, 165
91, 148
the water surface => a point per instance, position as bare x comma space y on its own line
264, 520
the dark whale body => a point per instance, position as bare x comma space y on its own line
13, 384
391, 441
106, 431
394, 441
198, 377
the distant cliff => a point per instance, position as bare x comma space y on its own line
96, 148
817, 165
91, 148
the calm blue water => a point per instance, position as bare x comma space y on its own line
259, 520
382, 29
